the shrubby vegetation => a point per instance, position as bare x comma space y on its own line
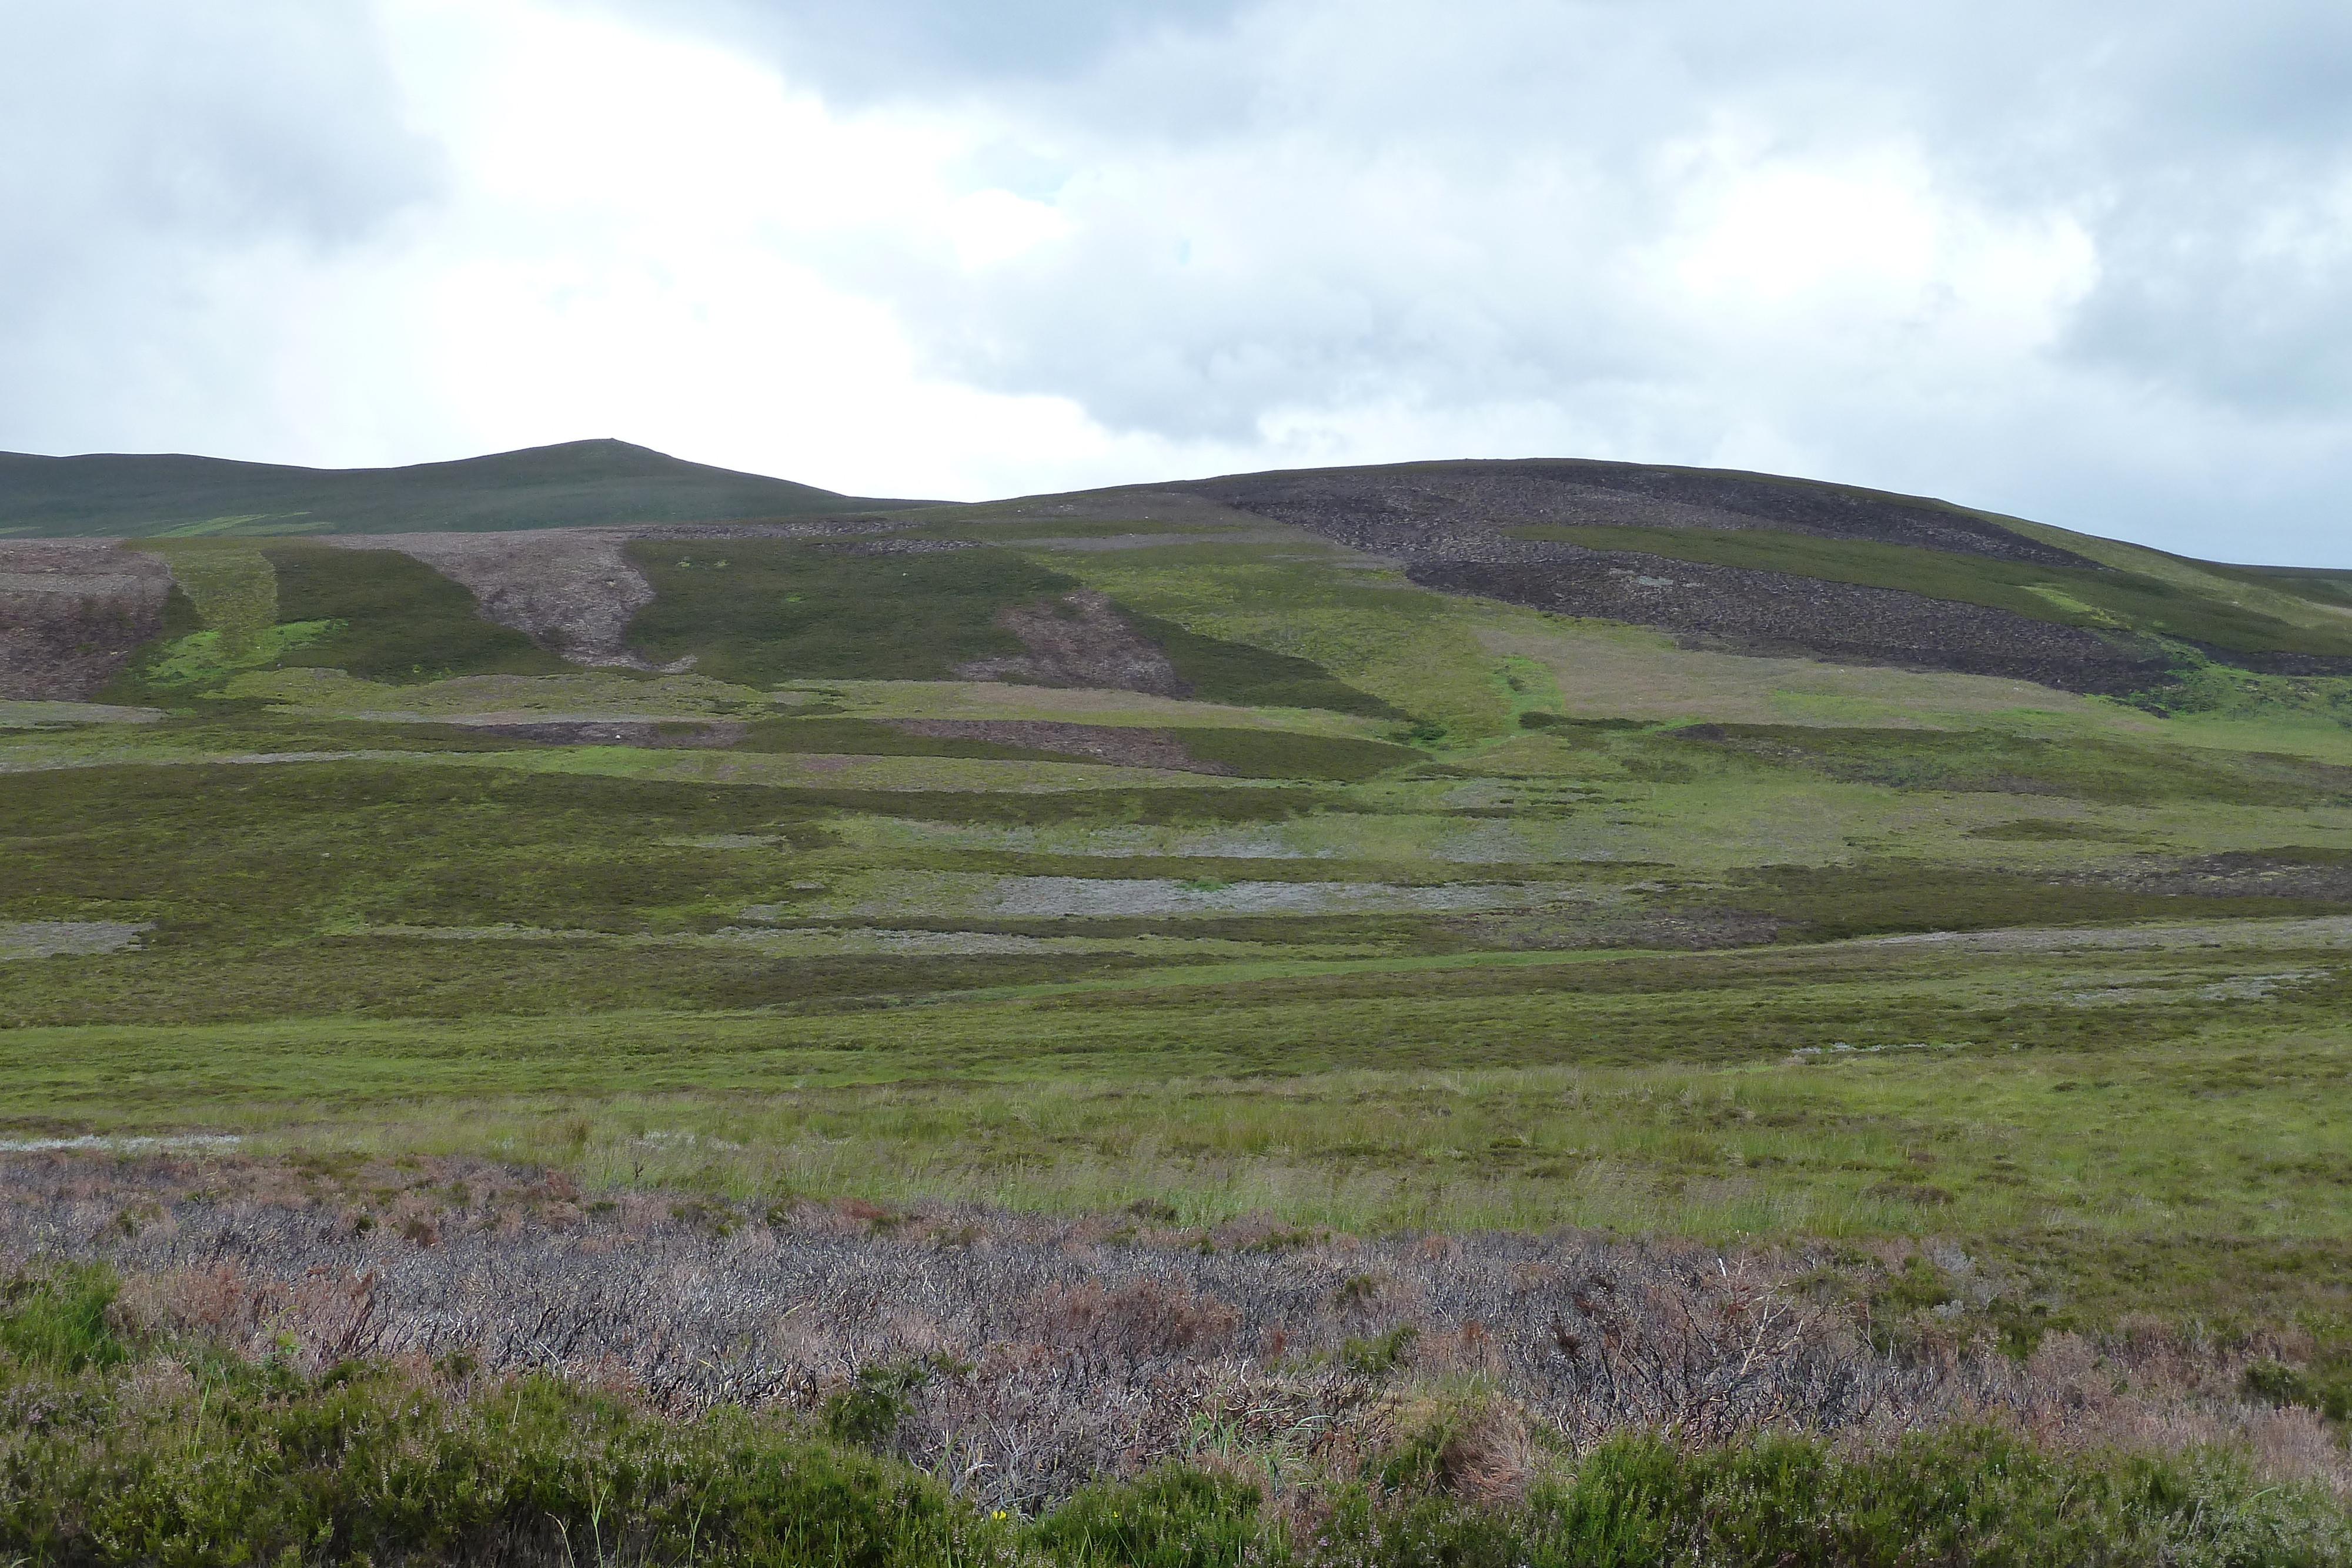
128, 1444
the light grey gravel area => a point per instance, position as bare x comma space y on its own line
50, 714
956, 894
2315, 931
63, 938
571, 590
1073, 895
1098, 542
118, 1145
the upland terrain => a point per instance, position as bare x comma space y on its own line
1479, 1011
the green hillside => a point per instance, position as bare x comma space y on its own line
575, 484
1832, 960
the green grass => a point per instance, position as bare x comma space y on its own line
250, 1461
58, 1322
2098, 1094
254, 1464
2069, 595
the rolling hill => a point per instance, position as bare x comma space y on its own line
1943, 919
574, 483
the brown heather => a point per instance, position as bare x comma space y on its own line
1037, 1354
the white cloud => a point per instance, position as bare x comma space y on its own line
2082, 261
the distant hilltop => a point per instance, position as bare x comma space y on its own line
574, 483
140, 576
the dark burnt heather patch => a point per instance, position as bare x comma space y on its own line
1245, 753
1700, 930
2293, 872
509, 976
1747, 611
650, 733
1394, 507
2044, 829
1821, 902
1078, 639
2095, 598
1122, 744
881, 737
1993, 761
1153, 807
73, 614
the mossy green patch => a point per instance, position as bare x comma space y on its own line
203, 660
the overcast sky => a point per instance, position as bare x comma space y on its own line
2089, 261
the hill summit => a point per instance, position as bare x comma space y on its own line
571, 485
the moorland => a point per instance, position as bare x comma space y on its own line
1486, 1011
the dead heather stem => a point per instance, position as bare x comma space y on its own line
1036, 1353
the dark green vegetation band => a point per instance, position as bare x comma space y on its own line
397, 620
762, 611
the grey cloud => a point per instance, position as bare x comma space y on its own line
885, 48
1286, 212
213, 120
144, 143
1449, 207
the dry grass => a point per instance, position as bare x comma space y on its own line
1606, 670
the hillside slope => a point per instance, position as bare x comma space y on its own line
1376, 915
1346, 590
1762, 564
1463, 846
575, 484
